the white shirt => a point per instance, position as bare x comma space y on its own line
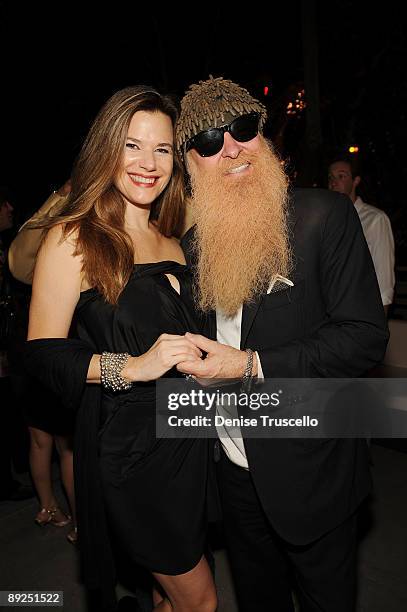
229, 331
379, 237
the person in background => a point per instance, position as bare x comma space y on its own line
48, 422
23, 249
10, 488
343, 177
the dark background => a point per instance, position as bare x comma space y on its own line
58, 66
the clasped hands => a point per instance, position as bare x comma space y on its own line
221, 361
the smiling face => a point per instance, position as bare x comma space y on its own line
234, 161
147, 159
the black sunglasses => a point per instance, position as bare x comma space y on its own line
209, 142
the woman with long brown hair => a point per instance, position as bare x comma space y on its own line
111, 258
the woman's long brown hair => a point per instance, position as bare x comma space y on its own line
94, 210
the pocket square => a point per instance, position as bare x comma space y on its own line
279, 282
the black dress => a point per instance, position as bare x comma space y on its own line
154, 490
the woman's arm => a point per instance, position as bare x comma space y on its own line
23, 250
56, 291
56, 287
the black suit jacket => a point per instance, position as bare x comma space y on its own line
331, 323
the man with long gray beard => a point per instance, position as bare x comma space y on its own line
289, 277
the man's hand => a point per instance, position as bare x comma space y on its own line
222, 361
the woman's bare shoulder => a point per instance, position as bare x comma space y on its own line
59, 251
58, 238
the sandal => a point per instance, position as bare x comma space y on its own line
72, 536
49, 516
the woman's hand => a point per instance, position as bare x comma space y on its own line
166, 352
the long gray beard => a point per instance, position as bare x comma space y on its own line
241, 240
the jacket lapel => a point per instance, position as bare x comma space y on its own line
248, 316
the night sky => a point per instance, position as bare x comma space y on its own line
60, 65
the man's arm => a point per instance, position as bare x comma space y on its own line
353, 336
382, 251
24, 248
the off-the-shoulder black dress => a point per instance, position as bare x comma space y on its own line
154, 490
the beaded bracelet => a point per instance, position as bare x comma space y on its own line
111, 365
